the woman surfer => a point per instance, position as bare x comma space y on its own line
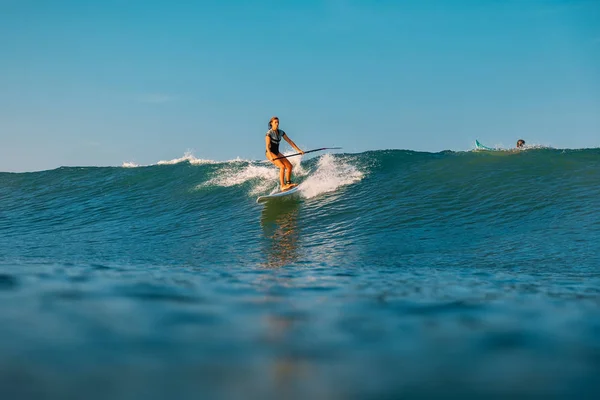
272, 139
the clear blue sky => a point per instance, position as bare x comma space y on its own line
103, 82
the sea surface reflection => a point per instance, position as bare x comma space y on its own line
279, 221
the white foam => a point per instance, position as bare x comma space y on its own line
188, 156
297, 166
232, 175
536, 146
128, 164
238, 160
263, 173
332, 173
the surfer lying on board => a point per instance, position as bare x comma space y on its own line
520, 143
272, 140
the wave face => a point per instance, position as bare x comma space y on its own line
472, 268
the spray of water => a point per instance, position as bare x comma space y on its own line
231, 175
189, 157
330, 174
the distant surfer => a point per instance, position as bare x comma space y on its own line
272, 139
520, 143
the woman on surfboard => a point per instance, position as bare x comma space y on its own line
272, 139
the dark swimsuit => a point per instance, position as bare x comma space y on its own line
275, 137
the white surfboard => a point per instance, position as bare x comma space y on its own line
278, 194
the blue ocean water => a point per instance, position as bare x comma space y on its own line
392, 273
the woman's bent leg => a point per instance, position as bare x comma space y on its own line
288, 172
281, 165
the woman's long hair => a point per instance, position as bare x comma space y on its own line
271, 121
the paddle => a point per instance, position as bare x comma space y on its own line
309, 151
